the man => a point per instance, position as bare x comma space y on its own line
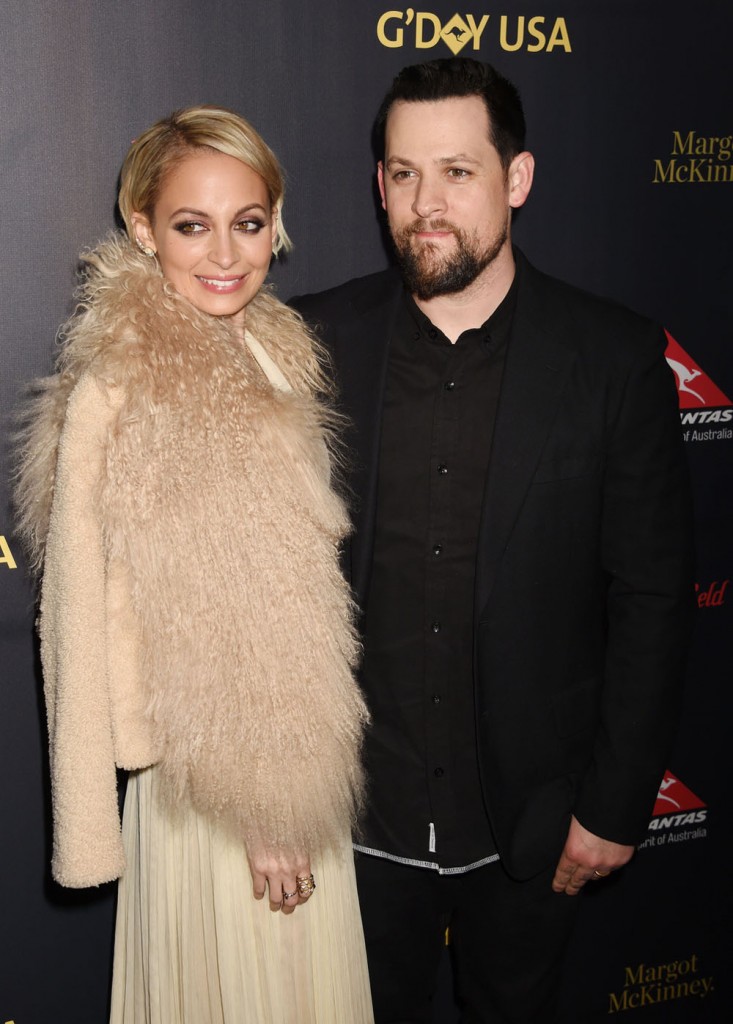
521, 556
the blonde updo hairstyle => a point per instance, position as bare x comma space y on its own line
161, 148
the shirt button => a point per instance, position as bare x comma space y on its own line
436, 698
449, 385
438, 773
437, 549
435, 626
433, 333
442, 468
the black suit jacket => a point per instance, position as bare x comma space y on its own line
584, 569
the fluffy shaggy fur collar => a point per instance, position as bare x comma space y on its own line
216, 495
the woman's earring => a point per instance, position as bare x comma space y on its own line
277, 241
145, 249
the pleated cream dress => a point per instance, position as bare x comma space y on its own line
193, 946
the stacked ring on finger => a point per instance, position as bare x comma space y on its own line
306, 885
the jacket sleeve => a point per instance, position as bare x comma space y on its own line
87, 843
646, 545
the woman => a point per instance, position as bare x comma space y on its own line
194, 626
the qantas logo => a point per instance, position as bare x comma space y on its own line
676, 806
674, 796
685, 376
702, 403
696, 390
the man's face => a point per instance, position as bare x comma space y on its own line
446, 194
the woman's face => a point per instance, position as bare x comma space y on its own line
213, 231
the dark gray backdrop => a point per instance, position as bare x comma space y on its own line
81, 78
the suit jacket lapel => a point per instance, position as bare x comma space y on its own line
537, 366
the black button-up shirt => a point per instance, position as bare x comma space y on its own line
425, 805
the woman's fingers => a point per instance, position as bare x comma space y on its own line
286, 878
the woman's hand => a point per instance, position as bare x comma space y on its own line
283, 876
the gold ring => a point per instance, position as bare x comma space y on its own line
306, 885
601, 874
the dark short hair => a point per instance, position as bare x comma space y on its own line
454, 77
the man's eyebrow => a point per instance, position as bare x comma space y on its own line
456, 158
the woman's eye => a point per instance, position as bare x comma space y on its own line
250, 226
190, 227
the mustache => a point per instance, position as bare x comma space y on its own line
421, 225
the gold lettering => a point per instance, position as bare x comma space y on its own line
533, 30
663, 174
633, 977
679, 148
7, 555
617, 1003
398, 38
420, 42
717, 146
672, 971
477, 30
696, 172
503, 41
559, 37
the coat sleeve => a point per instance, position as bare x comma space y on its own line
646, 551
87, 843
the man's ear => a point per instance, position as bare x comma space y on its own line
380, 180
520, 178
143, 231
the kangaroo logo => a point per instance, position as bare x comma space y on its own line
667, 781
683, 800
684, 377
705, 392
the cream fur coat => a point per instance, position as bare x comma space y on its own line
192, 610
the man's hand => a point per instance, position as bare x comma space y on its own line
587, 857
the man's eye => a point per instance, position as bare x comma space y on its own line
458, 172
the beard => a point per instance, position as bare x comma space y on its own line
427, 273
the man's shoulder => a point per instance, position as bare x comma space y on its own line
562, 303
360, 293
596, 329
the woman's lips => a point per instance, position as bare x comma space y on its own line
222, 285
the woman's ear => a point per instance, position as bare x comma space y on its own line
143, 233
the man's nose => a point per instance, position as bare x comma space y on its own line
429, 198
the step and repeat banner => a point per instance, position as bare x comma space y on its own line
629, 114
